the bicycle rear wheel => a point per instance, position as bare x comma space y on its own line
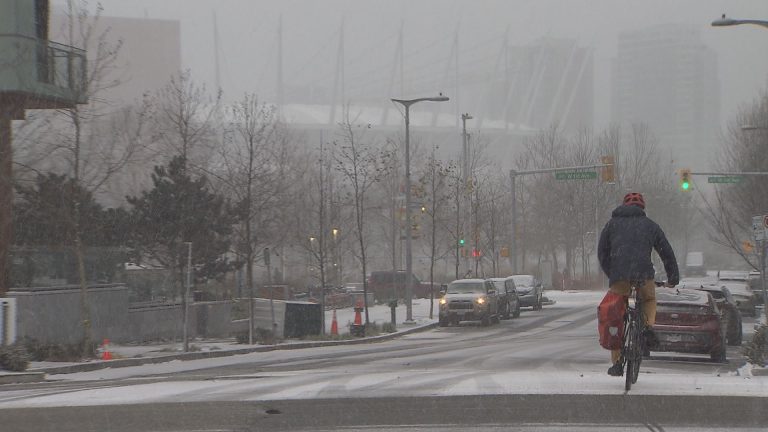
633, 354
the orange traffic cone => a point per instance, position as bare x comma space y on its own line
334, 324
105, 354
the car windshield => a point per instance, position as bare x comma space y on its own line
345, 215
499, 285
523, 281
466, 287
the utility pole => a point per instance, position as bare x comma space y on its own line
271, 294
466, 179
186, 296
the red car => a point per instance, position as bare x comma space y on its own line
689, 321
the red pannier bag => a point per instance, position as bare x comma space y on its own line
610, 320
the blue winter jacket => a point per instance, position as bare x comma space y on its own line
626, 243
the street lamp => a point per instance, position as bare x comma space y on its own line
725, 22
406, 103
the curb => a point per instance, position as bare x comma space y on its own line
22, 377
118, 363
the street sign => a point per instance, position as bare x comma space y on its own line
576, 175
725, 179
759, 227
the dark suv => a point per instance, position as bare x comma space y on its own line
469, 300
509, 302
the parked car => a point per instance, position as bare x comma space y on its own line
469, 300
733, 275
728, 307
689, 321
509, 302
529, 290
385, 284
744, 297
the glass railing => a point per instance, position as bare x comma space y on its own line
54, 64
61, 65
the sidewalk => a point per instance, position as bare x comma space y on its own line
135, 354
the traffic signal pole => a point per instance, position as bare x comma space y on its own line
513, 174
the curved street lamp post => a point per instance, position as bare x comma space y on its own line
406, 103
726, 22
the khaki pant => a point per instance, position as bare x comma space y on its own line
647, 296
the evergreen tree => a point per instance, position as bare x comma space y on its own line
181, 209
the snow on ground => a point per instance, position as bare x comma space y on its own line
367, 379
332, 384
381, 314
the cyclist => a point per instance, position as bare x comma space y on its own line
624, 252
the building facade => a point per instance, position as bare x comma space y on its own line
665, 77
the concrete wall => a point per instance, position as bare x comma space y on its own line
53, 315
157, 323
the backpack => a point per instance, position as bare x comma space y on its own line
610, 320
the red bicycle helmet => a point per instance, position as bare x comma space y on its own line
634, 198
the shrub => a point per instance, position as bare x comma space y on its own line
756, 350
260, 336
388, 327
14, 358
57, 352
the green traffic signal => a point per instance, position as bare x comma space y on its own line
461, 242
685, 179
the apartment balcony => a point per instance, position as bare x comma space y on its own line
40, 74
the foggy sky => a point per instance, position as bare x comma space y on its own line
248, 34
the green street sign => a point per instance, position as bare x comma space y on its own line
725, 179
576, 175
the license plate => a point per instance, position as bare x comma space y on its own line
673, 338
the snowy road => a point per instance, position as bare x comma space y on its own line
549, 352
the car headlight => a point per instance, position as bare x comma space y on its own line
480, 300
443, 301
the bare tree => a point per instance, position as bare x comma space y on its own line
250, 169
185, 120
435, 182
92, 159
733, 206
361, 165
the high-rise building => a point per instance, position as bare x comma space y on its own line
149, 54
664, 76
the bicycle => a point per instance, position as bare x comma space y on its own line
634, 346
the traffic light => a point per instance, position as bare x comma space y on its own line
461, 242
685, 179
608, 173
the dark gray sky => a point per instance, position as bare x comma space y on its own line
248, 30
